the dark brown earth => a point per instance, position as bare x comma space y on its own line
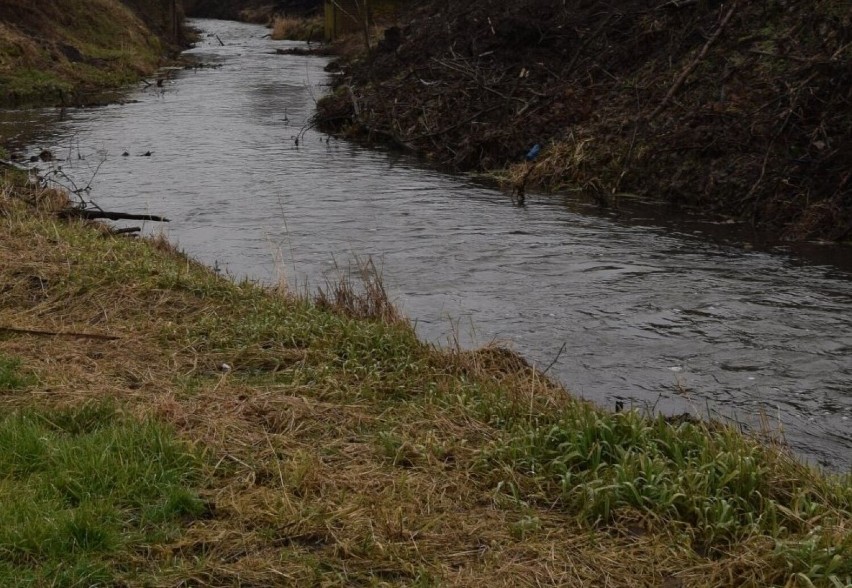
256, 9
741, 108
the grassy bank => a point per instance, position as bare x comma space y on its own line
59, 52
738, 108
167, 424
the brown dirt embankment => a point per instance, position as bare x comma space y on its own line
57, 52
739, 108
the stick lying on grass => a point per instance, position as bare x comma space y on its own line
57, 333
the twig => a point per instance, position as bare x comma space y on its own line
677, 4
472, 73
58, 172
793, 104
567, 71
691, 67
786, 56
629, 155
88, 187
555, 359
58, 333
355, 108
458, 124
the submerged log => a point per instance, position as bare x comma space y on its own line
126, 231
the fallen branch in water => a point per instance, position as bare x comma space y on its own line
103, 214
13, 165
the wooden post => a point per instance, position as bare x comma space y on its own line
329, 20
365, 21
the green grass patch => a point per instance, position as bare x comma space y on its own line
11, 377
721, 487
79, 488
25, 84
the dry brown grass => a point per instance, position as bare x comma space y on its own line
360, 296
574, 164
298, 28
339, 451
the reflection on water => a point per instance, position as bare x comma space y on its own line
656, 318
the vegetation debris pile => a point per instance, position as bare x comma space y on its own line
741, 108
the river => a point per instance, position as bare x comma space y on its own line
660, 318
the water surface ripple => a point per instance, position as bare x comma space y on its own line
649, 316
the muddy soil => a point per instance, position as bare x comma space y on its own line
740, 108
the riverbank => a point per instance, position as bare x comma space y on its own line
318, 441
64, 53
740, 110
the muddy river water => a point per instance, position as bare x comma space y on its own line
659, 318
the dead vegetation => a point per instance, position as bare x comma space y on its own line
359, 294
298, 28
740, 108
343, 451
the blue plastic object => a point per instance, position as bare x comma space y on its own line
533, 153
